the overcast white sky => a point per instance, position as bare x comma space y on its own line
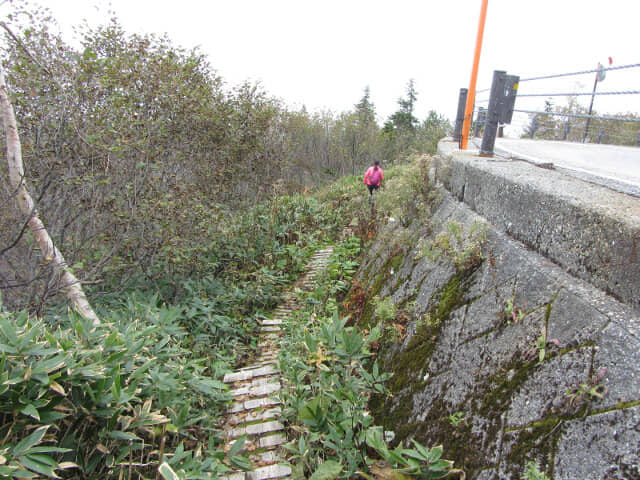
323, 53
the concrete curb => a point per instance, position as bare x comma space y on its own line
589, 230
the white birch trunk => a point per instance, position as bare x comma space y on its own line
70, 284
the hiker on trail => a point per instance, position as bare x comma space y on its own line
373, 177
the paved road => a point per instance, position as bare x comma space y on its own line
613, 166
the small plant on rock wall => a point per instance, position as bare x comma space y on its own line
464, 250
580, 397
385, 309
540, 347
395, 322
511, 313
457, 418
397, 331
533, 472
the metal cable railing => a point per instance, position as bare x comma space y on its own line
577, 94
551, 120
578, 115
583, 72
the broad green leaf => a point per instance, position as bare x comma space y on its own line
441, 465
22, 474
47, 449
7, 349
26, 443
435, 454
396, 456
415, 454
375, 439
241, 463
167, 472
424, 451
8, 329
329, 470
119, 435
41, 464
312, 413
50, 416
31, 411
237, 446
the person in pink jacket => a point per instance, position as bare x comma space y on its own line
373, 177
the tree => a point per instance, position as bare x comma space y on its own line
403, 119
361, 133
26, 205
399, 131
542, 125
365, 110
434, 128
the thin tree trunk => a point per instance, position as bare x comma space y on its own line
70, 284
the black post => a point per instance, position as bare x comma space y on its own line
481, 118
533, 127
638, 139
586, 129
493, 113
567, 129
600, 134
462, 103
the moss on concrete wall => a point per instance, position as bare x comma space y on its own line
465, 378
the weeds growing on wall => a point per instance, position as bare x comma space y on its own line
463, 248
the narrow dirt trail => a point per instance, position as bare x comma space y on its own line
255, 411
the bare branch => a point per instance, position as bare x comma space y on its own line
15, 240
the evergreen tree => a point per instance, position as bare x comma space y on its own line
399, 131
403, 119
365, 110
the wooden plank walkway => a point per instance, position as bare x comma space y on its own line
255, 410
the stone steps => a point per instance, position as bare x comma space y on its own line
255, 410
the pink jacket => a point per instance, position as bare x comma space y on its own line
367, 177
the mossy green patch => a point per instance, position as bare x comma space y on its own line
420, 348
537, 441
407, 365
499, 389
484, 406
382, 276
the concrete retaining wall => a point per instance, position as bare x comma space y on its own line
591, 231
507, 359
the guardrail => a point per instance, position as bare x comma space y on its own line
511, 98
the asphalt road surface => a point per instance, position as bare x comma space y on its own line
609, 165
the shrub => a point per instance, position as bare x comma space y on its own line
106, 400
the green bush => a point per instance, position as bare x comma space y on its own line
103, 400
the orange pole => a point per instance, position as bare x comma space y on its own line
471, 96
